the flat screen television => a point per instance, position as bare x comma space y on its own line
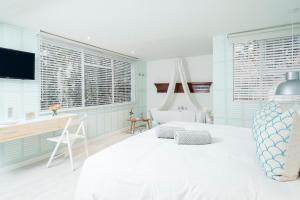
16, 64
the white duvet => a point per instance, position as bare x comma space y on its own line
144, 167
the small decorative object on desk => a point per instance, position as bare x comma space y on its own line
30, 116
54, 108
131, 113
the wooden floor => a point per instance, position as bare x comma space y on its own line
36, 182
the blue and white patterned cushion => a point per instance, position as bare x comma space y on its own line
264, 116
277, 143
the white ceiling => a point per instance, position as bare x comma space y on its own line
148, 29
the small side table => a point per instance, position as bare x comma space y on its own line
133, 122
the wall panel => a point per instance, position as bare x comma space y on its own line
227, 111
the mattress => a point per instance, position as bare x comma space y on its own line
145, 167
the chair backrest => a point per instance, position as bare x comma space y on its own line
68, 124
83, 116
81, 127
76, 124
76, 121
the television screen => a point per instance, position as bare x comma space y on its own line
16, 64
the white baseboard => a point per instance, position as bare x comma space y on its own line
47, 155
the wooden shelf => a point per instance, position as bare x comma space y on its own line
195, 87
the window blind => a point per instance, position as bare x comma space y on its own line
60, 67
76, 76
98, 80
260, 65
122, 81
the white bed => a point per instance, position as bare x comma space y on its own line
145, 167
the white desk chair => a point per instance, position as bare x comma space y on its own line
69, 139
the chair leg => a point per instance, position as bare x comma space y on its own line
86, 147
133, 128
71, 155
148, 123
85, 140
53, 154
131, 124
66, 153
64, 132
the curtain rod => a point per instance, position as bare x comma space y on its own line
86, 44
262, 29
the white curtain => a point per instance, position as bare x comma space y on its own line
170, 93
179, 69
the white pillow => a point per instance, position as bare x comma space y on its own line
167, 131
278, 146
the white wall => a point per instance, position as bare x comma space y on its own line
24, 96
226, 111
159, 71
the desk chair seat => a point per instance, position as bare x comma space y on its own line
72, 138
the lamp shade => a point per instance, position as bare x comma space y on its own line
291, 86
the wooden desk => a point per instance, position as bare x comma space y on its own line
40, 125
134, 120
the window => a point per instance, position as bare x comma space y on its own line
98, 80
122, 81
77, 76
61, 77
259, 65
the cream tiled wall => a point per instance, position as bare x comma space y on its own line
227, 111
24, 95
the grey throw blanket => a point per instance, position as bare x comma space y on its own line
167, 131
192, 137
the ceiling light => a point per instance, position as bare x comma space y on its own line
132, 52
291, 86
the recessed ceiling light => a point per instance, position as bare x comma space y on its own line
132, 52
88, 37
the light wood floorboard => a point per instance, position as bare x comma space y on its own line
36, 182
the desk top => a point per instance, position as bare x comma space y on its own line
39, 125
35, 120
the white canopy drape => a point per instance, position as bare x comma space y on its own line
181, 71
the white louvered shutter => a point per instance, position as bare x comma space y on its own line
98, 79
260, 65
81, 76
61, 74
122, 81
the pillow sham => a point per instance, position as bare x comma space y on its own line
278, 146
265, 115
167, 132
